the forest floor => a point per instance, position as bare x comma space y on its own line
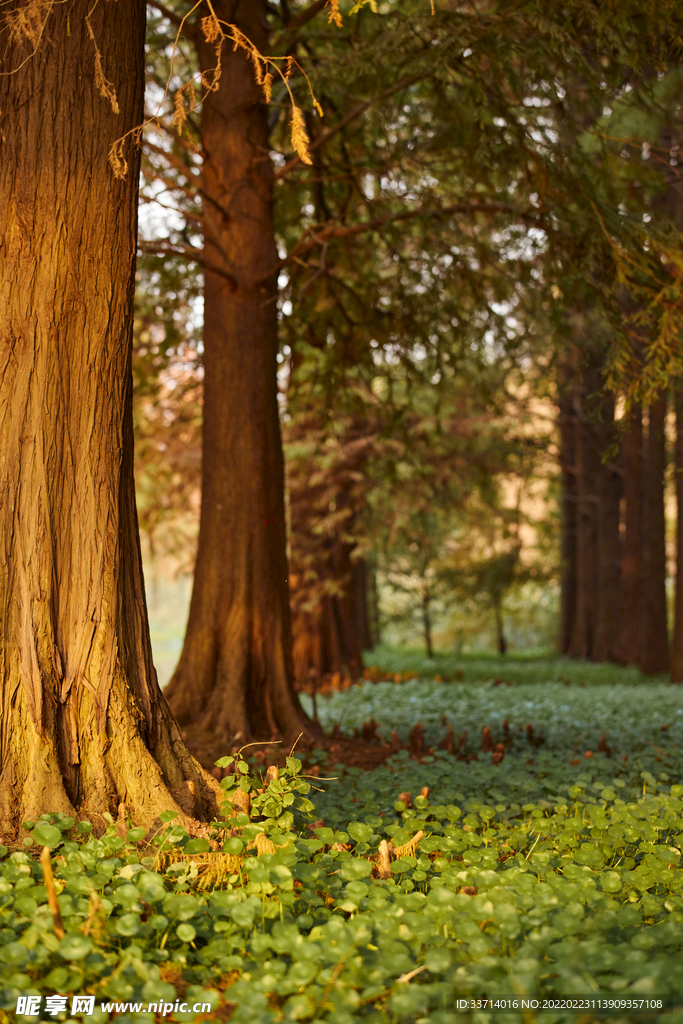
346, 708
513, 833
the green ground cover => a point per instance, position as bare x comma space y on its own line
534, 877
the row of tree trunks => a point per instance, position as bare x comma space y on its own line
613, 601
591, 491
643, 635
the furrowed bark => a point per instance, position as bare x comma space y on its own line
83, 725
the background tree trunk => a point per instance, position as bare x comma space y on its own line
591, 492
235, 675
655, 650
500, 632
568, 471
83, 725
677, 654
588, 468
628, 648
334, 636
427, 619
608, 493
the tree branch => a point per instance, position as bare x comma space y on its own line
319, 234
174, 18
356, 112
300, 20
186, 252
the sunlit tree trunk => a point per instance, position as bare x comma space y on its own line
84, 728
235, 675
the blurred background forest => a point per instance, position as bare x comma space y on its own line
478, 317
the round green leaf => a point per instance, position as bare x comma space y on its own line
159, 991
610, 881
185, 932
14, 953
76, 946
233, 846
437, 960
127, 925
135, 835
359, 832
354, 868
243, 915
197, 846
47, 835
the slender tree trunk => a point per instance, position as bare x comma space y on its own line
629, 644
655, 651
608, 492
361, 604
84, 728
235, 675
373, 610
570, 498
587, 475
500, 633
677, 655
427, 620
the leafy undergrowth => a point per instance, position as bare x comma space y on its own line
533, 875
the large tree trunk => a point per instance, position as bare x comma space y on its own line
655, 651
235, 674
629, 643
677, 654
83, 725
